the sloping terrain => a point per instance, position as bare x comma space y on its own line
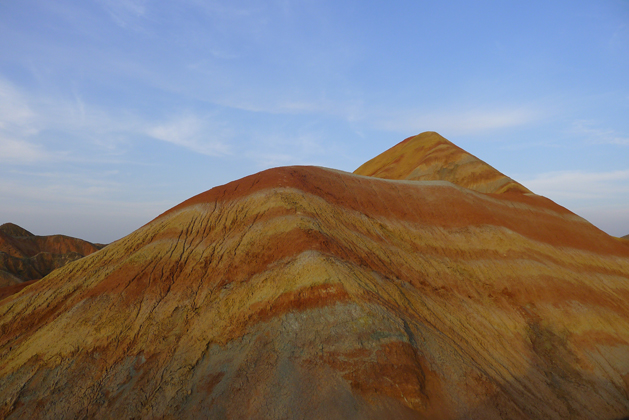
428, 157
25, 257
310, 293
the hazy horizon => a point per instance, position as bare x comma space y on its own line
113, 111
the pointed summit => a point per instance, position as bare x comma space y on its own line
12, 229
429, 157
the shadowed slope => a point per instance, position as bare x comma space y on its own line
309, 293
428, 156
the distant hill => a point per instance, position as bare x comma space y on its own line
25, 257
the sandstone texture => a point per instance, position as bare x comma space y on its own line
25, 257
310, 293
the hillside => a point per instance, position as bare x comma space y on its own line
310, 293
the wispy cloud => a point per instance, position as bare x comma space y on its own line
15, 113
277, 149
620, 38
200, 135
599, 197
611, 219
348, 110
22, 152
596, 135
230, 11
95, 128
54, 188
26, 124
458, 123
124, 12
581, 185
17, 125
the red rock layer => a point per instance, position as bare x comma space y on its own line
309, 293
428, 156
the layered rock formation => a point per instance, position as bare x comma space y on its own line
310, 293
25, 257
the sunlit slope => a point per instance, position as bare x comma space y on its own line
309, 293
428, 156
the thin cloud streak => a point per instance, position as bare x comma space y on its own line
611, 219
22, 119
599, 197
587, 129
462, 123
581, 185
124, 12
16, 151
194, 133
15, 113
276, 149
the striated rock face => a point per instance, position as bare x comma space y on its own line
310, 293
25, 257
429, 157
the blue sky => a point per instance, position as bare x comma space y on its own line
113, 111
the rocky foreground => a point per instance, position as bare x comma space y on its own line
310, 293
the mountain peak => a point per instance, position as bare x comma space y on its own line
12, 229
429, 156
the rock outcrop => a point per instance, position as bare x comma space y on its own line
310, 293
25, 257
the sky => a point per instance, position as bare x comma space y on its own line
113, 111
